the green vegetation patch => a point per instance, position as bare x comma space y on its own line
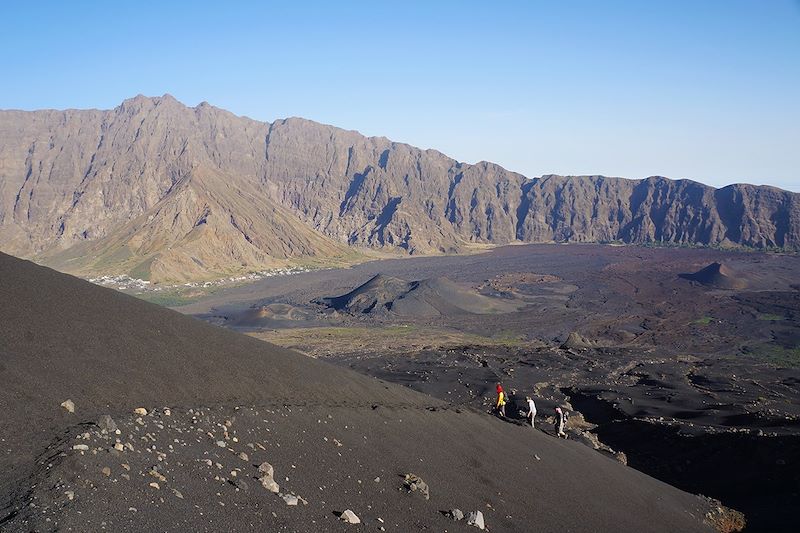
776, 355
770, 317
391, 338
704, 321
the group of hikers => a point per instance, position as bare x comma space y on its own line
530, 412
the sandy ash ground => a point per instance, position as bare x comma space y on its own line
684, 360
119, 415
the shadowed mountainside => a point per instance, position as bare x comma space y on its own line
163, 191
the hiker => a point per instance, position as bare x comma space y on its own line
561, 419
531, 410
501, 401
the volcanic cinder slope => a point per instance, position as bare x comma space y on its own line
423, 298
162, 191
717, 275
337, 439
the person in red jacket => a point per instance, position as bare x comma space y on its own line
501, 401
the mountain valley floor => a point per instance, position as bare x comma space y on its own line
685, 363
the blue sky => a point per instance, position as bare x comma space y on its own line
707, 90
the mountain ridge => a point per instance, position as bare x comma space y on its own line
74, 177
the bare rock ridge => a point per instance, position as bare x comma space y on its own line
163, 191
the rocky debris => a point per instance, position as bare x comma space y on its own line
475, 519
266, 479
413, 482
455, 514
266, 469
106, 471
350, 517
243, 456
156, 474
141, 411
269, 484
81, 447
107, 424
290, 499
119, 446
724, 519
69, 405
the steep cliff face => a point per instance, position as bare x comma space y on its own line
173, 192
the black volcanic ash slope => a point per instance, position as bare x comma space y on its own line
335, 438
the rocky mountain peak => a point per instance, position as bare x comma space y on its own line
87, 179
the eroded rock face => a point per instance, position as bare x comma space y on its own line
161, 190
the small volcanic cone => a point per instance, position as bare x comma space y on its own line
717, 275
425, 298
576, 341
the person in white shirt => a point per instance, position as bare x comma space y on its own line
561, 419
531, 410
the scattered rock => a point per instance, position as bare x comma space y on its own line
221, 443
155, 473
107, 423
106, 471
69, 405
70, 495
177, 493
290, 499
475, 519
350, 517
266, 469
141, 411
119, 447
155, 485
724, 519
268, 483
413, 483
243, 456
81, 447
456, 514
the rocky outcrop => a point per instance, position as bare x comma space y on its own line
165, 191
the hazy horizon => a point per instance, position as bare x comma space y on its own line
703, 91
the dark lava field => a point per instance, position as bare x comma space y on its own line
684, 363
